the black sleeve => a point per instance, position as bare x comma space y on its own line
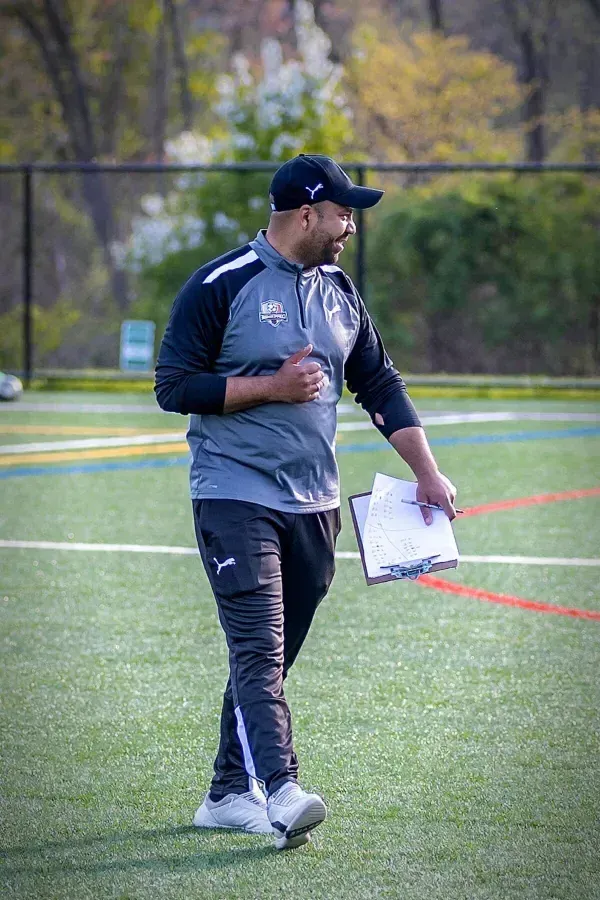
184, 382
370, 374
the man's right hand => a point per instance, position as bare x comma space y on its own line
297, 381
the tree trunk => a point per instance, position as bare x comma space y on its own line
60, 30
111, 101
531, 24
181, 64
53, 37
159, 103
97, 196
590, 91
595, 7
535, 104
435, 15
338, 50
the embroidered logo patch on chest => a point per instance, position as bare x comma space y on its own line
273, 312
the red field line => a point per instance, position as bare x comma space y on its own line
450, 587
529, 501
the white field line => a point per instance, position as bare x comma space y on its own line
93, 443
438, 419
464, 418
30, 406
360, 425
344, 409
93, 548
507, 416
343, 554
481, 417
531, 560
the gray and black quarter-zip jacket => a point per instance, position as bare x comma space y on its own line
244, 314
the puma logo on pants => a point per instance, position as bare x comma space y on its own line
228, 562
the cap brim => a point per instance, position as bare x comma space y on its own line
359, 197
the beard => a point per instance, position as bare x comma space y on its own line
319, 250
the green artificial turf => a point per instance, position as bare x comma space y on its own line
456, 742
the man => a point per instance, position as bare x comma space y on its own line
257, 349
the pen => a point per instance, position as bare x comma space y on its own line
428, 505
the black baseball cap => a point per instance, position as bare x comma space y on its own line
312, 179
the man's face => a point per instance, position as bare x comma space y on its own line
330, 227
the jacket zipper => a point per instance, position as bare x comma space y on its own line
299, 296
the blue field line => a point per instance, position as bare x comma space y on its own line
90, 468
481, 439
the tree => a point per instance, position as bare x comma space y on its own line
269, 111
89, 96
105, 75
429, 98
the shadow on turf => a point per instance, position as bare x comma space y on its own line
198, 860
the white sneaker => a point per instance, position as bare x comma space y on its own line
246, 811
293, 814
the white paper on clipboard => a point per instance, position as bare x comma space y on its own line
391, 532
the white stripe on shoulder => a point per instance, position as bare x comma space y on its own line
331, 269
234, 264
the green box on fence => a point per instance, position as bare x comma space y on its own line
137, 345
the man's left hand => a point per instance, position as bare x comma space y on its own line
438, 490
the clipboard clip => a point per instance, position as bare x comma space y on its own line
412, 568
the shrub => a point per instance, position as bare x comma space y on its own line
501, 274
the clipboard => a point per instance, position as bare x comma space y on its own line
359, 507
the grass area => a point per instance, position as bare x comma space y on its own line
437, 385
456, 742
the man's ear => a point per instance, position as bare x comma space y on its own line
305, 216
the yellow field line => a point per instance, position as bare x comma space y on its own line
101, 453
84, 430
17, 459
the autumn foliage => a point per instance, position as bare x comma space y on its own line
424, 97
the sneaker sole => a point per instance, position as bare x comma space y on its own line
204, 819
298, 830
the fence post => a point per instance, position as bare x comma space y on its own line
27, 273
361, 225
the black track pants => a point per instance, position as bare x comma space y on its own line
269, 571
